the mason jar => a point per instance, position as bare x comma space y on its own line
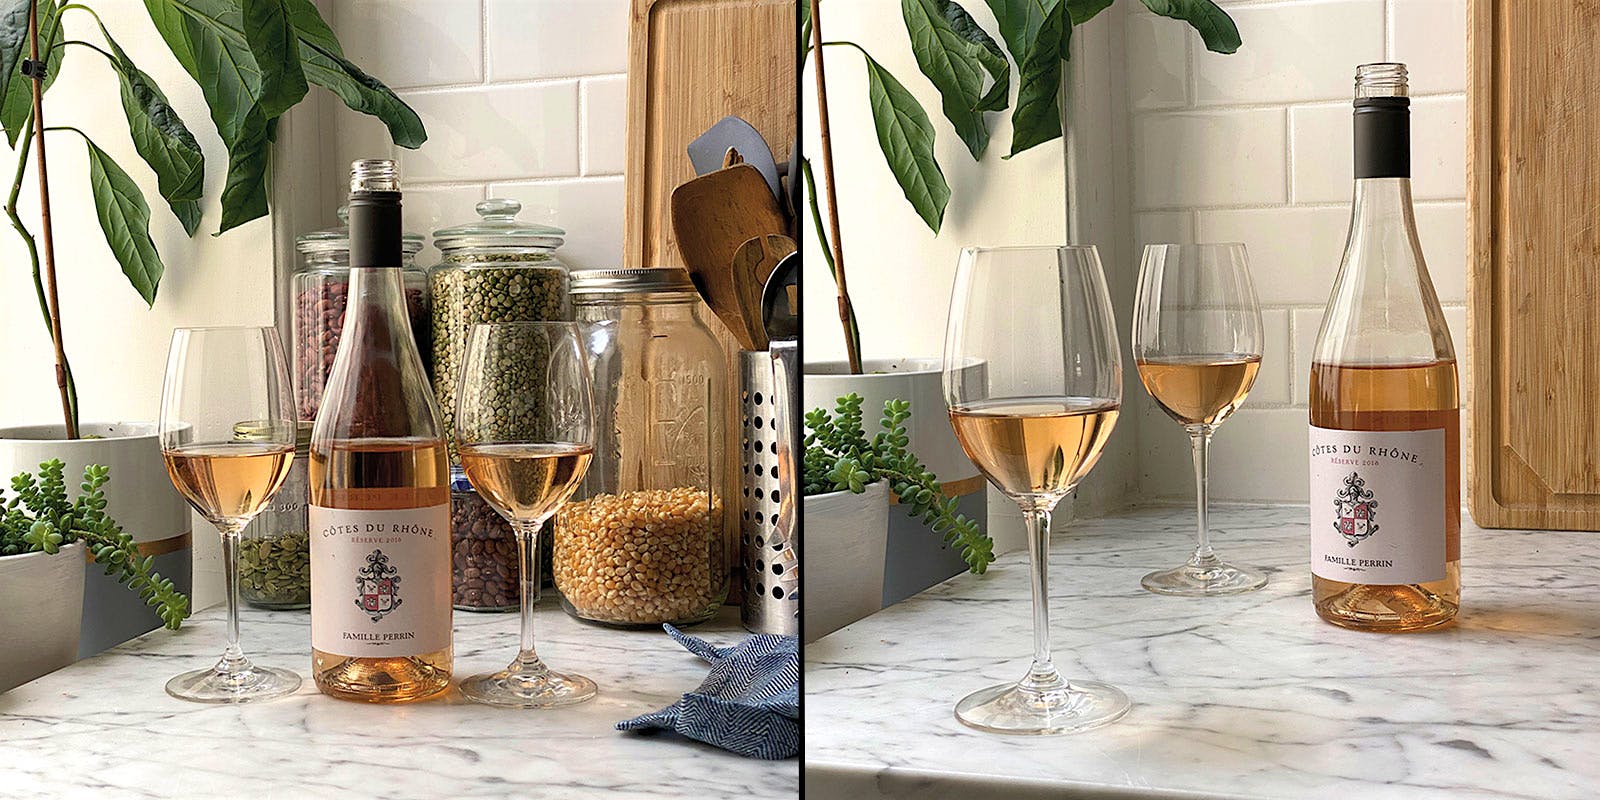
642, 541
495, 269
275, 548
321, 285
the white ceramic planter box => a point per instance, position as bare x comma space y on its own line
916, 556
845, 540
41, 606
140, 497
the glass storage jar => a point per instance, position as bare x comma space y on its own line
483, 552
321, 285
496, 269
275, 548
642, 541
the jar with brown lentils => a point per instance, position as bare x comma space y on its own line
321, 286
495, 269
483, 553
643, 541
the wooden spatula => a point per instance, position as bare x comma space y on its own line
712, 216
752, 265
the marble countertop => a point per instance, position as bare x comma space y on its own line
104, 727
1248, 696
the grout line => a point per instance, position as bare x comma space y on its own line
1219, 108
1288, 154
529, 83
483, 40
1388, 30
1309, 205
583, 127
554, 180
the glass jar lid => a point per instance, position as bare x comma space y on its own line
498, 229
336, 241
595, 284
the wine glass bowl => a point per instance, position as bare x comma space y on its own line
1033, 381
228, 439
525, 451
1197, 346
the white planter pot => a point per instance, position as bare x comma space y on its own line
917, 557
140, 497
41, 606
842, 560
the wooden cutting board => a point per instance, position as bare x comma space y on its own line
691, 63
1533, 199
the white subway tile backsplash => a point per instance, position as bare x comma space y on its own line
1158, 62
1161, 227
1307, 323
1324, 152
496, 132
1294, 252
1442, 227
1439, 147
1258, 454
556, 38
605, 125
1292, 52
590, 210
1430, 36
1272, 382
429, 208
411, 43
1209, 158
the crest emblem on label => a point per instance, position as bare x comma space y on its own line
1357, 510
378, 586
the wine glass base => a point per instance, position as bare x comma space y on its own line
1009, 708
250, 685
1216, 579
508, 690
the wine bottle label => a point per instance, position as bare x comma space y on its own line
1377, 505
380, 581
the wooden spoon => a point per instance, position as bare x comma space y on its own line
712, 216
752, 265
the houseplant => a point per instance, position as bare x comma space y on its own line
43, 538
252, 60
847, 479
973, 75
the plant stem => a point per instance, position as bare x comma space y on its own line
852, 329
846, 312
69, 400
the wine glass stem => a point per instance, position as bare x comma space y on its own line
528, 551
1200, 443
1042, 676
233, 660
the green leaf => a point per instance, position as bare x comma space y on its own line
805, 28
207, 38
1084, 10
905, 135
1037, 117
125, 219
998, 67
1020, 21
276, 50
161, 139
956, 66
327, 67
17, 98
1215, 26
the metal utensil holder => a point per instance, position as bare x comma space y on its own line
769, 396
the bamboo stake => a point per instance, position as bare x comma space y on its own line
846, 312
68, 411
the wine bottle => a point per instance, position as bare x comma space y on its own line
1385, 414
380, 498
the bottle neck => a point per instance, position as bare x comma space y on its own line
1382, 203
1382, 137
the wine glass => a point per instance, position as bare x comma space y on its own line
1033, 380
1197, 345
227, 436
525, 451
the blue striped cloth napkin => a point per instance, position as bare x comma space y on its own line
748, 705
